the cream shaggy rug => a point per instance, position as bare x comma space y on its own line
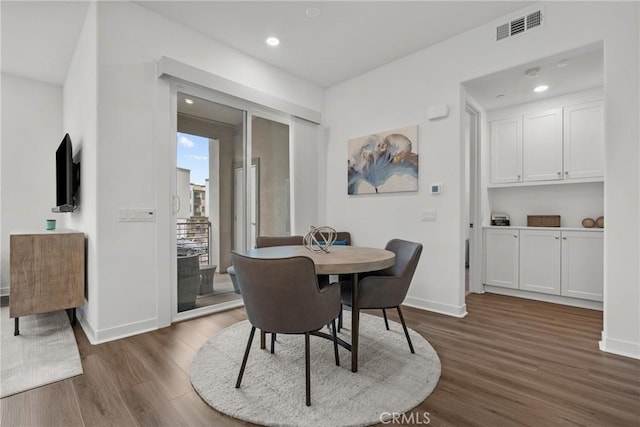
389, 379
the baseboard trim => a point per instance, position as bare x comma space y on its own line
555, 299
437, 307
620, 347
115, 333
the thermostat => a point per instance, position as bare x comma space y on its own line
436, 188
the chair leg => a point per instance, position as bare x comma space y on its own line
273, 342
307, 366
340, 319
335, 342
406, 332
386, 322
246, 356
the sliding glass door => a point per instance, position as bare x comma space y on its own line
232, 185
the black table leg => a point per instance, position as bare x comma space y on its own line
16, 329
355, 322
263, 339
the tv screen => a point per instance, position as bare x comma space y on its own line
66, 177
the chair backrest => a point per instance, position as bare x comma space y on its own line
391, 284
282, 295
407, 257
341, 236
268, 241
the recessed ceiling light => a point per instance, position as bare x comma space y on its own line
563, 63
273, 41
188, 101
313, 12
500, 96
541, 88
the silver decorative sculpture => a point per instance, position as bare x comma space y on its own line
320, 239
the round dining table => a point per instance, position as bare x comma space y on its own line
339, 260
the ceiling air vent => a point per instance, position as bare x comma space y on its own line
519, 25
534, 19
502, 32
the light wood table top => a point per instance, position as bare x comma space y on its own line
341, 259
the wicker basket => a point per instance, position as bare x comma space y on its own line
543, 220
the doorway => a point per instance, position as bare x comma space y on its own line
472, 226
223, 201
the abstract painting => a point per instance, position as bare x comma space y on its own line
384, 162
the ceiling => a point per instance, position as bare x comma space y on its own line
345, 39
39, 38
566, 72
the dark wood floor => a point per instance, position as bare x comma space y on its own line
509, 362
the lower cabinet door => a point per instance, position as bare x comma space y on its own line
582, 269
501, 258
540, 261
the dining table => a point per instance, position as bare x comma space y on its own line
337, 260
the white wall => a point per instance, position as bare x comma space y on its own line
399, 94
573, 202
80, 121
133, 155
31, 132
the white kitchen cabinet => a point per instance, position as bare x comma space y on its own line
501, 257
582, 266
540, 258
542, 146
506, 150
568, 263
583, 140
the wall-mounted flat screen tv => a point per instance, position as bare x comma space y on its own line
67, 177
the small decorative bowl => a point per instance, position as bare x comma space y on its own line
600, 222
588, 223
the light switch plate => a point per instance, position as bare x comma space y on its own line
429, 215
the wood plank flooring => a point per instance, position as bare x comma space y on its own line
509, 362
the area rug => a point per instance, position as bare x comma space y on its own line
43, 353
389, 379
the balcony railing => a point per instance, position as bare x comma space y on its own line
193, 238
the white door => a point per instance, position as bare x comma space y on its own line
540, 261
582, 264
584, 140
542, 146
506, 150
501, 258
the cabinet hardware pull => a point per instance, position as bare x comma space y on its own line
564, 238
515, 235
557, 237
566, 172
559, 173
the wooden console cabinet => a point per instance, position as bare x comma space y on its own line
47, 272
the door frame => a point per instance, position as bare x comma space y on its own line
475, 174
250, 110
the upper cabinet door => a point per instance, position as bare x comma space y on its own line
583, 140
542, 146
506, 150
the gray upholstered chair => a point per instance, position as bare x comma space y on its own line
282, 296
263, 242
387, 288
268, 241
